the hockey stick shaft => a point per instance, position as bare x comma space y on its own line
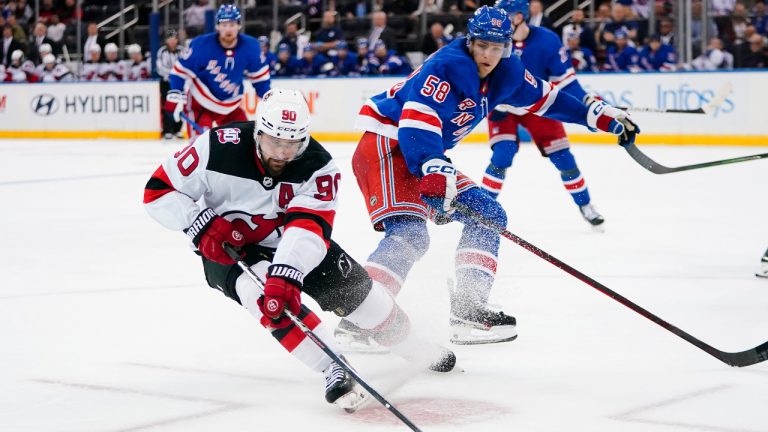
739, 359
657, 168
717, 100
663, 110
320, 344
199, 129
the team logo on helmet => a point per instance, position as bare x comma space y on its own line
229, 135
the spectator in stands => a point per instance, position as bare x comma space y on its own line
286, 62
267, 56
388, 62
760, 17
329, 34
739, 23
92, 37
667, 31
582, 58
581, 29
18, 31
697, 27
8, 45
166, 57
194, 17
602, 18
356, 9
20, 70
313, 63
537, 17
344, 62
434, 40
291, 38
136, 68
722, 7
618, 22
53, 71
380, 31
38, 38
56, 29
70, 13
658, 56
622, 57
23, 12
110, 68
714, 58
752, 54
428, 7
92, 66
363, 68
640, 8
47, 10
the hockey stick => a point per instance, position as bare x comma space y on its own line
657, 168
320, 344
199, 129
737, 359
709, 108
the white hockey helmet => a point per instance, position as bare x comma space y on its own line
49, 59
95, 48
134, 49
284, 114
110, 48
45, 48
17, 55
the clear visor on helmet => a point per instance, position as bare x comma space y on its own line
492, 49
279, 149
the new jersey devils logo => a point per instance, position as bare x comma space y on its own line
272, 305
257, 228
229, 135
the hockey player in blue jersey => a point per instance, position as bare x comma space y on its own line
622, 57
543, 54
582, 58
267, 56
658, 56
215, 65
404, 174
387, 62
344, 62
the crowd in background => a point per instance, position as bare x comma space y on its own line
365, 38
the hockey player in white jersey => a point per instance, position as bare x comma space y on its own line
92, 66
54, 71
110, 68
269, 189
19, 70
136, 68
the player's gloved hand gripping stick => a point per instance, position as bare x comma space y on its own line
235, 256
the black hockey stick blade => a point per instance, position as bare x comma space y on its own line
736, 359
235, 255
657, 168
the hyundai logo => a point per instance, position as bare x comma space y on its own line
45, 104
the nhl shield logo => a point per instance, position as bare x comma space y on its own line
229, 135
267, 181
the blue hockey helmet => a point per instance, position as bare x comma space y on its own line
228, 12
263, 41
515, 6
492, 25
342, 44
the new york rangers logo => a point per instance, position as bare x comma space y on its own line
229, 135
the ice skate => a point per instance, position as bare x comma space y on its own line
763, 271
352, 338
593, 217
340, 388
482, 326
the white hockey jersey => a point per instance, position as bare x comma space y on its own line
135, 71
90, 71
292, 213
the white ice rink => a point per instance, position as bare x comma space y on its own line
106, 323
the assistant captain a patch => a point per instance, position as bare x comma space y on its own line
229, 135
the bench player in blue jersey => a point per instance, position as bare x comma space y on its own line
404, 174
543, 54
215, 65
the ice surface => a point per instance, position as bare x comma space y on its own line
106, 323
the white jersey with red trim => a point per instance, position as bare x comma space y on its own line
90, 71
293, 212
216, 73
134, 71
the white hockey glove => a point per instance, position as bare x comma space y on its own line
438, 185
610, 119
174, 103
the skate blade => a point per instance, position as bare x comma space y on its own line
350, 345
353, 400
598, 228
462, 335
762, 275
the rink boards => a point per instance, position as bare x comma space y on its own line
133, 110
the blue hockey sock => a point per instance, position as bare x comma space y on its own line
572, 179
405, 241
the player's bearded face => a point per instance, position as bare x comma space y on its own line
228, 31
277, 152
487, 55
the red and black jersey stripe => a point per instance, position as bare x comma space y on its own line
319, 222
158, 185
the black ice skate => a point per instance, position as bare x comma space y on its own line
340, 388
592, 216
352, 338
482, 326
763, 271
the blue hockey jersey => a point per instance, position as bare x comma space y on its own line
663, 59
544, 55
625, 60
216, 74
444, 99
